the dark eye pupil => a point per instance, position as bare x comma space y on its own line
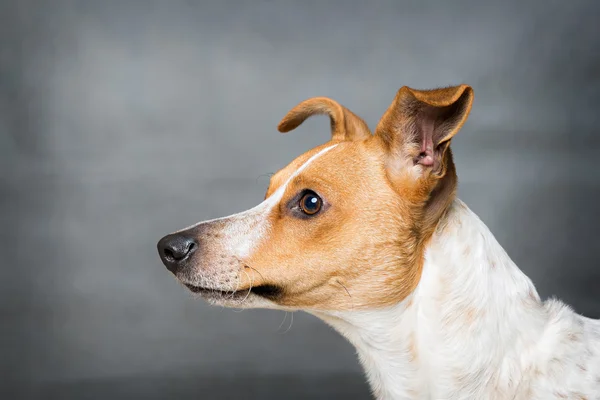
311, 203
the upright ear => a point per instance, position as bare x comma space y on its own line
419, 124
345, 125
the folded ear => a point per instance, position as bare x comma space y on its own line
419, 124
345, 125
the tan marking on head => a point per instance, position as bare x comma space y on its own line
282, 176
352, 240
381, 203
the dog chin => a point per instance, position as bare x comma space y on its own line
256, 297
220, 297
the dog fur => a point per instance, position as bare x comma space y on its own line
395, 262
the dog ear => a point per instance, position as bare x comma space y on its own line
419, 124
345, 125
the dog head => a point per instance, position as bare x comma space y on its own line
343, 226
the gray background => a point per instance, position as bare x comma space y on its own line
123, 121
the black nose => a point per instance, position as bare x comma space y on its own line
175, 250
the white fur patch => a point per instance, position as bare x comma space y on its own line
478, 328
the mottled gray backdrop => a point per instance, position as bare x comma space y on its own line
121, 121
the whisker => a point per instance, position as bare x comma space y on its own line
269, 174
349, 295
291, 323
237, 286
254, 269
247, 294
250, 288
281, 324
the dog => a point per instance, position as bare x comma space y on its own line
366, 233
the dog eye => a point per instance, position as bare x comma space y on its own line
310, 203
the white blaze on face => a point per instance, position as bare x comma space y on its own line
244, 231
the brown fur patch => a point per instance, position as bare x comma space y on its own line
345, 125
365, 248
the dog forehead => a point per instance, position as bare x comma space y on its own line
347, 164
313, 156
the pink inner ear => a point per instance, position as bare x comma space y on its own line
425, 160
426, 155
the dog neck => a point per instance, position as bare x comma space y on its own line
466, 329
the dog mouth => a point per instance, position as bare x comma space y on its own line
267, 291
